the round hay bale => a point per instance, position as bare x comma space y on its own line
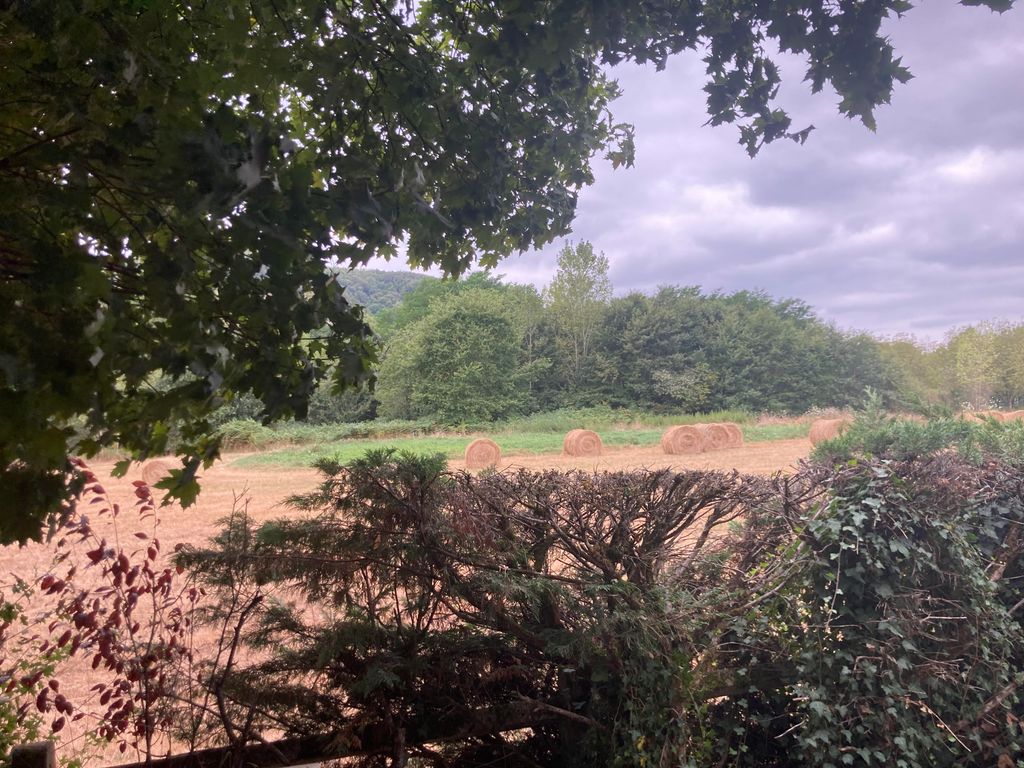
155, 471
684, 438
735, 434
482, 453
582, 442
568, 444
826, 429
718, 436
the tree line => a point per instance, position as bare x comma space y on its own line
977, 366
481, 349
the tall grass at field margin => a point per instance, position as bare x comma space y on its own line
248, 434
564, 419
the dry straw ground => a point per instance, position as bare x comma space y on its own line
1004, 416
267, 491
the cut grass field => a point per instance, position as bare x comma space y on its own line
261, 483
511, 442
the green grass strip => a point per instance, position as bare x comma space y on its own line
453, 446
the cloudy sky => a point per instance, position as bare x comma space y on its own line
916, 229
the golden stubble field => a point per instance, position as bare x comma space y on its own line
266, 490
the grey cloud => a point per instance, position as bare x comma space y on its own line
918, 228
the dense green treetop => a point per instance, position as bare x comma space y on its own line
173, 176
415, 305
478, 349
463, 361
376, 290
681, 348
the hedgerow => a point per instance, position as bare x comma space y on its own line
862, 614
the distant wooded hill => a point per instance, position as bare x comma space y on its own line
376, 289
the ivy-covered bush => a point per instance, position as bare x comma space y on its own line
898, 643
865, 615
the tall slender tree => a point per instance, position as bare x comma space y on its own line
576, 300
976, 371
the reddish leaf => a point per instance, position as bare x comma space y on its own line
56, 586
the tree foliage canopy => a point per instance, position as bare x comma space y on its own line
681, 349
173, 176
978, 367
376, 290
576, 299
464, 361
